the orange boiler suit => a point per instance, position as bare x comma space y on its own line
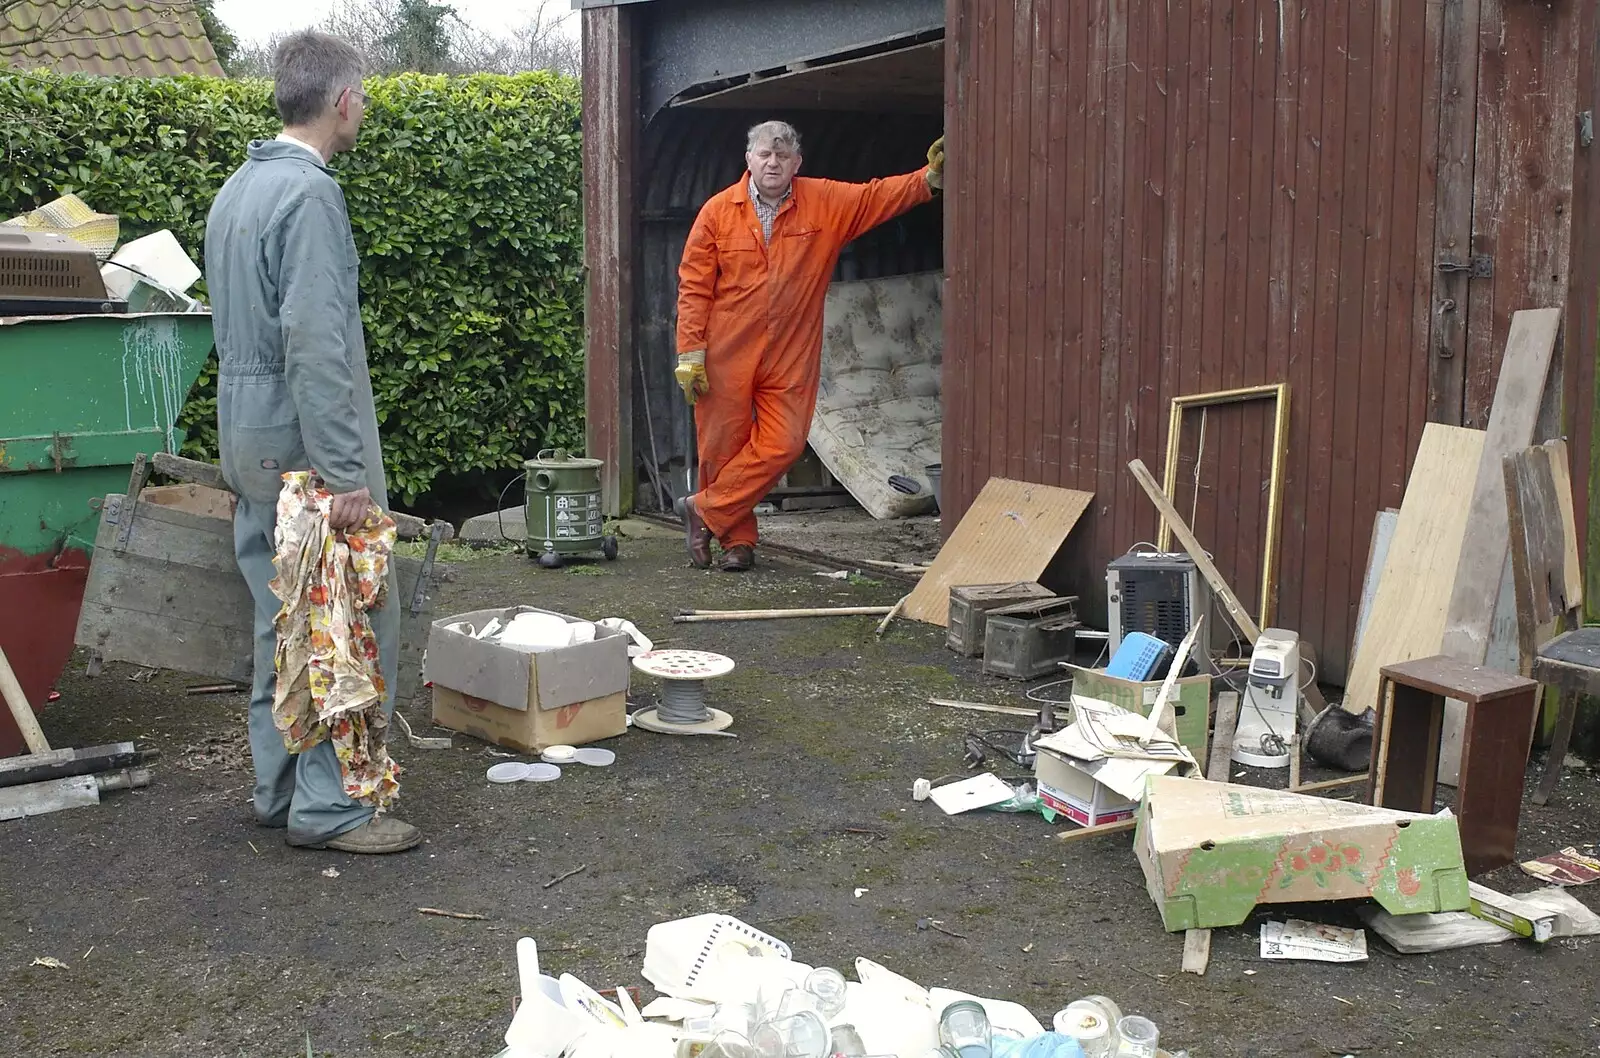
755, 307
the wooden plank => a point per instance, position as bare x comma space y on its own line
1283, 69
1415, 182
1566, 714
1011, 533
174, 598
980, 707
1330, 784
1357, 454
1227, 723
1084, 833
1491, 193
209, 475
1239, 516
1329, 447
193, 499
1377, 554
610, 134
1174, 290
1057, 150
1102, 411
1306, 532
1572, 567
1230, 602
1196, 951
1458, 127
1026, 362
21, 711
1149, 193
1407, 616
993, 304
53, 795
66, 763
1391, 255
1484, 550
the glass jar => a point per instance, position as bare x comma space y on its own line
827, 987
1137, 1037
1087, 1023
964, 1028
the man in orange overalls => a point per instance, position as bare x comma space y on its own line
751, 288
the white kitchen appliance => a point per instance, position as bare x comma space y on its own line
1270, 709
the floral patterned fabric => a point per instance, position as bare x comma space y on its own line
329, 683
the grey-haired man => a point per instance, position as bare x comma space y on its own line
293, 393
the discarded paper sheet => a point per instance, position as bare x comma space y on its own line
980, 791
1295, 939
1567, 867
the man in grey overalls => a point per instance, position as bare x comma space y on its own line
293, 393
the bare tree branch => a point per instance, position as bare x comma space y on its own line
60, 22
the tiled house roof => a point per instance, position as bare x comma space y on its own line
112, 38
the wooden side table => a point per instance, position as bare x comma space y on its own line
1501, 709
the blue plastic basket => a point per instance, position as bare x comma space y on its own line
1138, 656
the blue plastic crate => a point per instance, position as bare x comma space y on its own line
1138, 656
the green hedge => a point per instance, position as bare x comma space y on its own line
465, 196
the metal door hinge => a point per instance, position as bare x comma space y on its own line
1480, 266
1586, 128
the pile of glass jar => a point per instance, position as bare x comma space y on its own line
1102, 1031
789, 1021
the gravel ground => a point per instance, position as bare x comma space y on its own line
182, 929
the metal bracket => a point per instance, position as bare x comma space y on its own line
1586, 129
125, 511
1480, 266
419, 593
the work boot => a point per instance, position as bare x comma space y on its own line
378, 836
740, 558
696, 535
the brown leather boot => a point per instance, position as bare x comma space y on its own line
740, 558
696, 536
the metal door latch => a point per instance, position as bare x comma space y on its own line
1480, 266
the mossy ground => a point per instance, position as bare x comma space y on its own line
186, 930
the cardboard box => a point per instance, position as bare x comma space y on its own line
1075, 794
1212, 851
1191, 706
527, 701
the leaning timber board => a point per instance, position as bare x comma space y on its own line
1407, 617
1009, 534
173, 598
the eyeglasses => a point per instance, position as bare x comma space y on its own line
352, 90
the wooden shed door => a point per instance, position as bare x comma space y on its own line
1503, 220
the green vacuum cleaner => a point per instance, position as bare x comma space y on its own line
563, 508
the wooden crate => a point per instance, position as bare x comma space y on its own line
168, 594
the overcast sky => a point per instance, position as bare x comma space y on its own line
254, 20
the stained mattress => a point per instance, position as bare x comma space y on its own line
879, 411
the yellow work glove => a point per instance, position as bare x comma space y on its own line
936, 165
691, 375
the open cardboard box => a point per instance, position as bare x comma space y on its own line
1212, 851
528, 701
1190, 704
1094, 792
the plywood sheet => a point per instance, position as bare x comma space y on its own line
1407, 617
1010, 533
1377, 555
